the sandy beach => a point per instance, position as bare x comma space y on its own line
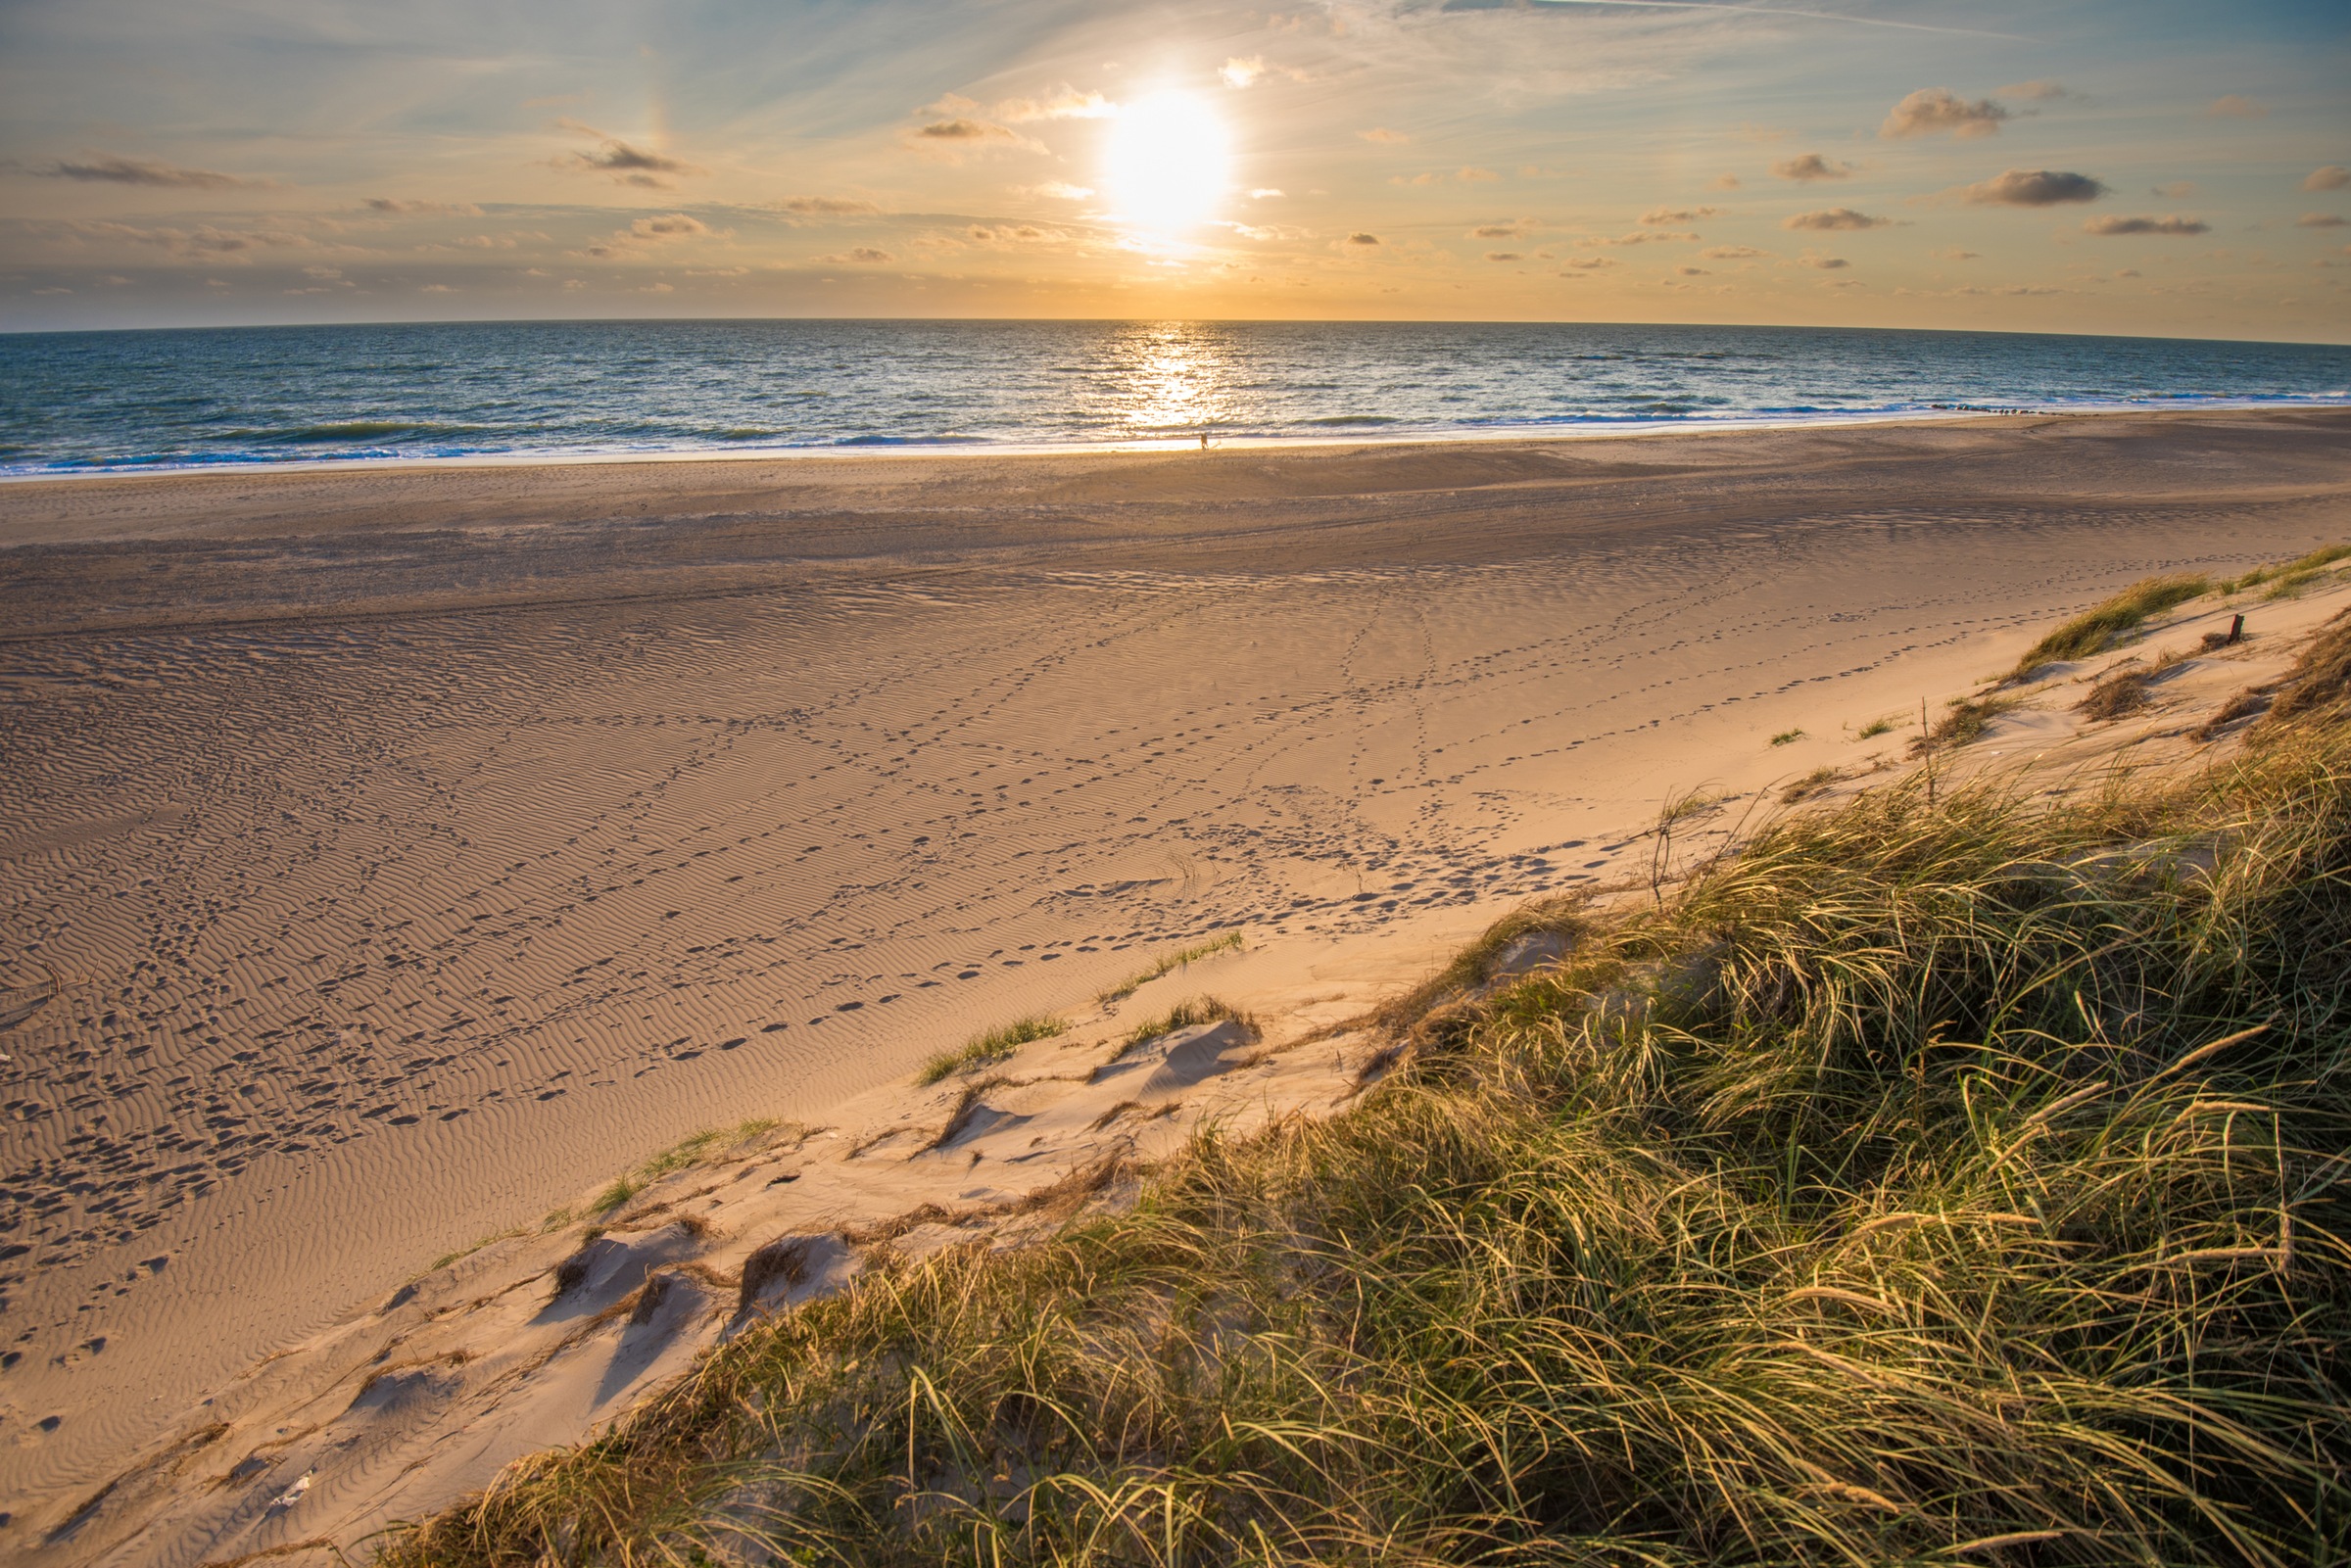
388, 857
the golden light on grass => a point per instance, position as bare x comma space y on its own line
1168, 163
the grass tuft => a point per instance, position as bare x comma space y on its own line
1230, 942
1787, 737
1182, 1016
1874, 729
1817, 781
2290, 577
2103, 626
1931, 1181
718, 1143
985, 1050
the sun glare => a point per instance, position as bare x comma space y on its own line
1168, 163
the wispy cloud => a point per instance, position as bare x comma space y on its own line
1674, 217
2320, 220
651, 232
1931, 111
2327, 177
397, 206
2229, 105
627, 162
2146, 226
108, 169
858, 255
961, 134
825, 207
1384, 136
1061, 103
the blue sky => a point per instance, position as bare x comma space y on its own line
2139, 168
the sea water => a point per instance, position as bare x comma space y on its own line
82, 401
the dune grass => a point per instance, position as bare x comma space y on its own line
987, 1050
1183, 1016
2103, 625
1230, 942
704, 1147
1787, 737
1930, 1183
2286, 579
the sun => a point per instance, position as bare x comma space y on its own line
1168, 163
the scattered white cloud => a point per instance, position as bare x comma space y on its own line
1264, 193
2229, 105
1834, 218
1811, 167
1504, 256
1692, 271
2178, 190
1668, 217
952, 138
1931, 111
1384, 136
857, 255
2031, 187
1640, 237
2319, 220
1724, 182
2328, 178
2108, 226
1588, 263
1362, 237
1826, 264
1732, 252
1516, 229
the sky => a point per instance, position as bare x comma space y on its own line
2138, 167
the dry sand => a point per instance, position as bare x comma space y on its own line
410, 850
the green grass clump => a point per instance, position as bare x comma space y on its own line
1874, 729
1927, 1183
2100, 627
985, 1050
700, 1149
1787, 737
1230, 942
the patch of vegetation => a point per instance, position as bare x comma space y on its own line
1963, 722
985, 1050
1923, 1184
1230, 942
702, 1148
2127, 688
1817, 781
1182, 1016
2285, 580
1787, 737
2103, 626
1874, 729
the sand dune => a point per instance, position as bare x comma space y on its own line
389, 857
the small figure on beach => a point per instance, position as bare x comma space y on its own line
1204, 441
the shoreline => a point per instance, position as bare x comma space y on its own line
977, 447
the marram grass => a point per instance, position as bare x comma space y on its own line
1927, 1184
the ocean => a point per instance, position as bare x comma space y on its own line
73, 401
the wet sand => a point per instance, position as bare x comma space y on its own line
408, 851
